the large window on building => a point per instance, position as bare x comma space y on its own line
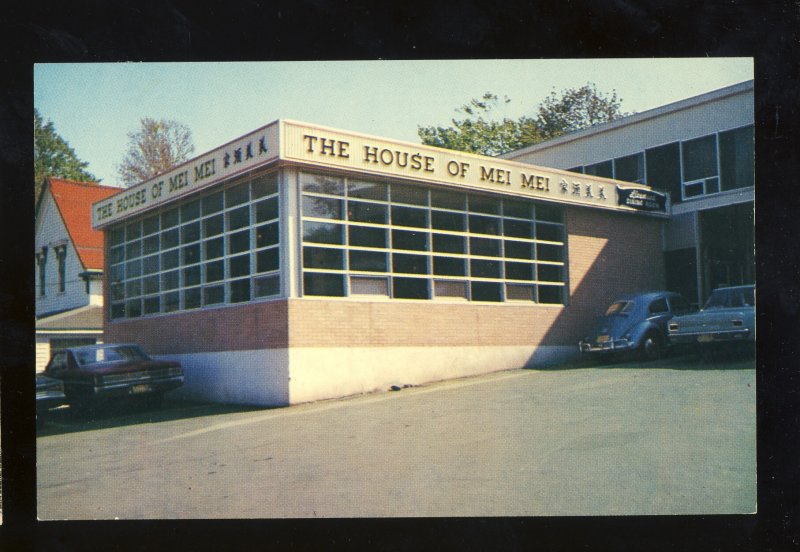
736, 158
366, 238
218, 249
700, 167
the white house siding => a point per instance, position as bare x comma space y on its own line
51, 231
42, 352
655, 128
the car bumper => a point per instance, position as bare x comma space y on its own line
138, 387
712, 337
45, 400
606, 348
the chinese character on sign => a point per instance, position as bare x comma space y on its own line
249, 151
237, 155
576, 188
589, 191
601, 192
226, 160
262, 145
564, 186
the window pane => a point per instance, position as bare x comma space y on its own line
191, 298
214, 271
150, 264
323, 232
484, 269
240, 291
444, 243
358, 211
212, 203
518, 228
116, 236
239, 242
603, 169
404, 239
518, 209
152, 305
133, 249
133, 288
133, 308
267, 286
267, 234
117, 255
191, 254
409, 216
264, 185
213, 295
449, 266
693, 190
171, 301
484, 225
549, 232
267, 260
331, 285
549, 273
410, 288
367, 190
133, 269
484, 247
191, 276
169, 219
213, 226
237, 195
150, 225
516, 292
486, 291
318, 257
322, 207
448, 200
367, 261
369, 286
118, 310
551, 294
150, 245
442, 220
169, 259
267, 210
546, 252
151, 284
169, 280
190, 211
481, 204
361, 236
736, 158
239, 266
409, 264
239, 218
169, 239
409, 194
699, 158
133, 231
519, 271
214, 248
190, 232
445, 288
664, 169
630, 168
322, 184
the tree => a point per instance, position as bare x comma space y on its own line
52, 156
154, 148
481, 132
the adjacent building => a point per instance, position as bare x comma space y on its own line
700, 152
69, 266
301, 262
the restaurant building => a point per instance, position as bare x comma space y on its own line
301, 262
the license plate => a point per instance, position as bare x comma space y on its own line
141, 388
603, 338
705, 338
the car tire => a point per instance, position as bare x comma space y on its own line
651, 346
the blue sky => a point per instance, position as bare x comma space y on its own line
94, 106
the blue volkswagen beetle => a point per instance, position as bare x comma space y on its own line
635, 323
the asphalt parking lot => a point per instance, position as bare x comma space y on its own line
674, 436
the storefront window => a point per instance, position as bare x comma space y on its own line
413, 242
221, 248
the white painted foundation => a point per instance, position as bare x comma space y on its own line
279, 377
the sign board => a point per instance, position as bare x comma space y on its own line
322, 147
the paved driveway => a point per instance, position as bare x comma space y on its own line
666, 438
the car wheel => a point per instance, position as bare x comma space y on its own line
651, 347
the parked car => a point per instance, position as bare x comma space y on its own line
728, 316
49, 394
634, 323
97, 372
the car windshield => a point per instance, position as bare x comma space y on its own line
620, 307
110, 354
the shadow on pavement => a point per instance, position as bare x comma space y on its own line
674, 360
64, 419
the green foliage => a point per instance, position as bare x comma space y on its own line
52, 156
480, 131
155, 147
